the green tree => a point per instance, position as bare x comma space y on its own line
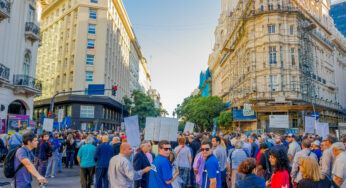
225, 119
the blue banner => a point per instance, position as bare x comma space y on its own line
239, 115
214, 128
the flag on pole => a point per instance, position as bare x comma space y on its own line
214, 129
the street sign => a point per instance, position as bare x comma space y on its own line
61, 115
96, 89
315, 114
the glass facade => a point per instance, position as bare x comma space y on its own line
337, 12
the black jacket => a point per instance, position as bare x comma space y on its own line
116, 148
141, 161
195, 144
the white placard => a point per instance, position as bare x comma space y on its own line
150, 126
173, 131
60, 115
132, 131
84, 125
189, 127
342, 127
322, 129
309, 124
161, 128
279, 121
164, 129
247, 111
48, 124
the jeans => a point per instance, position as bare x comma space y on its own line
42, 167
60, 161
101, 177
69, 158
52, 164
86, 175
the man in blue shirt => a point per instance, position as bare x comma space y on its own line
15, 140
103, 154
85, 158
161, 168
316, 149
211, 172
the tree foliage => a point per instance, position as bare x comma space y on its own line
225, 119
200, 110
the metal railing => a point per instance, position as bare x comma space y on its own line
4, 72
33, 28
25, 80
5, 6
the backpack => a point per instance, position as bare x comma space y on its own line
9, 170
52, 145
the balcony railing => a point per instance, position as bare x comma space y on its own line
4, 72
32, 31
25, 80
4, 9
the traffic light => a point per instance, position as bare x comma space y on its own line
50, 114
114, 90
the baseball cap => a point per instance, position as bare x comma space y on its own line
290, 135
316, 142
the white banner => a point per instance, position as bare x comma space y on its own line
247, 111
84, 125
322, 129
152, 129
279, 121
309, 124
342, 127
132, 131
48, 124
60, 115
161, 128
189, 127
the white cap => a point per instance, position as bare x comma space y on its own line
316, 142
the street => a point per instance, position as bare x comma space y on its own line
68, 177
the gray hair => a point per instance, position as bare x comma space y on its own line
89, 139
338, 146
144, 143
239, 144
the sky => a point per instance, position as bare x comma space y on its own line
176, 37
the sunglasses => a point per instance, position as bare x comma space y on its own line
167, 149
205, 149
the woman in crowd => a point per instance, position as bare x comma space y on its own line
279, 162
183, 160
250, 180
70, 151
312, 176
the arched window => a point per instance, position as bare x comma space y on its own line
27, 60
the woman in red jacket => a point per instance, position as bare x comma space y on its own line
279, 162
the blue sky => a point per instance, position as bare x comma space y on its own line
176, 37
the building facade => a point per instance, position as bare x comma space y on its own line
144, 76
205, 81
283, 57
337, 12
19, 41
155, 95
87, 42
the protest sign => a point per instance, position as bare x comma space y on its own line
132, 131
309, 124
48, 124
278, 121
189, 127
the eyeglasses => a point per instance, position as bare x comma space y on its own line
205, 149
167, 149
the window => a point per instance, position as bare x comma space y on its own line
293, 83
94, 1
92, 29
65, 63
31, 14
279, 7
291, 30
271, 29
271, 7
92, 14
262, 7
272, 55
282, 83
90, 59
58, 80
71, 76
64, 79
89, 76
91, 44
26, 66
72, 59
87, 111
273, 83
292, 57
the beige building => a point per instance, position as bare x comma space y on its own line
284, 57
144, 76
19, 40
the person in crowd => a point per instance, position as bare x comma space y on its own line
141, 161
221, 155
323, 146
70, 150
85, 158
305, 152
211, 173
254, 146
53, 160
44, 154
327, 160
311, 174
250, 180
279, 161
183, 160
339, 167
247, 145
235, 157
25, 157
264, 169
149, 154
161, 169
293, 148
196, 143
315, 145
61, 148
15, 140
121, 173
198, 165
176, 183
278, 143
116, 145
103, 154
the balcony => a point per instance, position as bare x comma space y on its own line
5, 9
32, 31
25, 84
4, 74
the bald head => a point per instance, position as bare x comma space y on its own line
126, 149
105, 139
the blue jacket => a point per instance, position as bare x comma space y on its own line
103, 154
256, 180
141, 161
44, 149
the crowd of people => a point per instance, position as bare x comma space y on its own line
235, 160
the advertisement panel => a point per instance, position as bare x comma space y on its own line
279, 121
17, 121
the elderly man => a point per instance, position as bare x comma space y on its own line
121, 173
85, 158
293, 148
339, 167
140, 161
116, 145
235, 157
103, 154
328, 158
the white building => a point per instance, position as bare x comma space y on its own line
19, 41
144, 76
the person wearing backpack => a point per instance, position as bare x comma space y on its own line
234, 158
23, 168
15, 140
44, 154
264, 168
53, 160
